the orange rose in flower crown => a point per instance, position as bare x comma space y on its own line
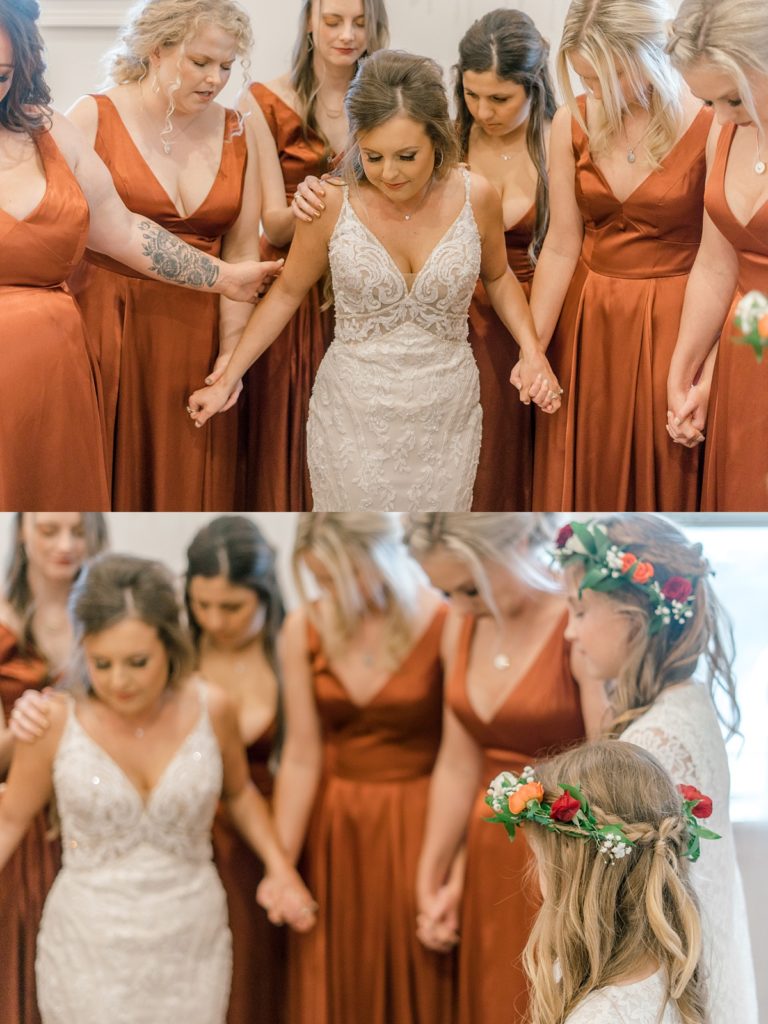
526, 793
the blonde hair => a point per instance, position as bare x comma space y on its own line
511, 539
393, 82
730, 35
602, 920
163, 24
303, 77
365, 557
673, 654
633, 35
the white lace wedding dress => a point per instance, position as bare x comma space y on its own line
639, 1003
681, 730
134, 930
395, 420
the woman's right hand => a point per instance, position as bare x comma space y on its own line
437, 923
536, 381
287, 900
30, 718
307, 203
206, 402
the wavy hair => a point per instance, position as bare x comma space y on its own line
603, 920
674, 654
26, 106
730, 35
631, 36
508, 43
303, 75
369, 565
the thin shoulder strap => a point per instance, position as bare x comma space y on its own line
467, 183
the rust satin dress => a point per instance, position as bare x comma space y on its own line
155, 342
540, 716
363, 962
258, 947
51, 451
29, 874
279, 385
505, 471
736, 458
607, 447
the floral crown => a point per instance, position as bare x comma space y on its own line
516, 799
608, 567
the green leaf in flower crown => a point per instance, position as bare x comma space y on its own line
585, 536
602, 541
611, 583
592, 579
705, 833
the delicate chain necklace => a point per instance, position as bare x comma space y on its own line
406, 216
166, 143
759, 162
333, 114
631, 150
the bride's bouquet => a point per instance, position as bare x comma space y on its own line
751, 319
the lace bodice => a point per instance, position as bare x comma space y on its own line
104, 817
639, 1003
681, 730
372, 296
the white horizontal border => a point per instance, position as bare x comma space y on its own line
83, 13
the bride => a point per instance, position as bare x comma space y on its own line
395, 421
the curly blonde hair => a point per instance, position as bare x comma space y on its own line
630, 35
603, 920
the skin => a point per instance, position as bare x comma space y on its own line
340, 38
114, 230
562, 247
526, 620
398, 161
598, 630
713, 279
56, 549
128, 669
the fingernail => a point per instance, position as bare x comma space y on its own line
209, 380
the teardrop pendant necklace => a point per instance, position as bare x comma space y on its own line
760, 165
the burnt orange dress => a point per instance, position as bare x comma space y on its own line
540, 716
51, 451
258, 947
505, 471
363, 961
279, 385
29, 874
607, 447
155, 342
736, 459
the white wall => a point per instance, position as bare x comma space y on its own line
78, 32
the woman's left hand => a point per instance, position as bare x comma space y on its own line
307, 203
287, 900
536, 382
206, 402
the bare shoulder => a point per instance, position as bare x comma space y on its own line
69, 138
9, 618
283, 89
485, 199
293, 633
221, 708
84, 112
561, 124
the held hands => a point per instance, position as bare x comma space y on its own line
535, 380
437, 923
287, 900
687, 414
248, 281
307, 203
30, 718
217, 397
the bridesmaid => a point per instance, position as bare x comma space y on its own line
235, 610
179, 157
511, 699
301, 116
35, 641
627, 181
721, 47
505, 105
55, 196
363, 689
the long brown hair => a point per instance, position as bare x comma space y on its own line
602, 920
303, 77
26, 106
508, 43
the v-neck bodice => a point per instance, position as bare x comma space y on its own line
656, 230
142, 192
105, 817
396, 733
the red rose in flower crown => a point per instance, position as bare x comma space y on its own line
703, 806
677, 588
627, 560
565, 808
564, 536
643, 572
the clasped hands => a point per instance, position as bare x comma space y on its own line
687, 413
536, 381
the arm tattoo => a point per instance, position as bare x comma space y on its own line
174, 260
